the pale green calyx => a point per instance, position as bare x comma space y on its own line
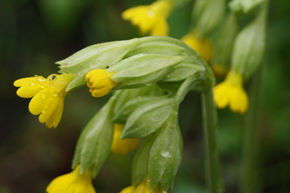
138, 62
249, 46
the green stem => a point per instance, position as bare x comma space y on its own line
213, 169
249, 178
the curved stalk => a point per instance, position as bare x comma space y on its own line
213, 168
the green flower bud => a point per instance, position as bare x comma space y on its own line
159, 158
94, 144
249, 46
209, 14
148, 117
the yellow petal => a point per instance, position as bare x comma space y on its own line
36, 104
55, 118
129, 189
49, 107
160, 28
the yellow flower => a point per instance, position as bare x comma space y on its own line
99, 81
150, 18
203, 46
47, 96
73, 182
143, 188
231, 92
219, 70
122, 146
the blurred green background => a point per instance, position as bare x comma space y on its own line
36, 33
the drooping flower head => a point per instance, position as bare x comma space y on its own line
47, 96
99, 81
73, 182
122, 146
150, 18
143, 188
202, 45
231, 92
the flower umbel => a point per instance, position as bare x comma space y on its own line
231, 92
150, 18
202, 45
47, 96
122, 146
143, 188
99, 81
73, 182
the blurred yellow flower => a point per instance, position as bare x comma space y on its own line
47, 96
122, 146
203, 46
231, 92
99, 81
73, 182
219, 70
143, 188
150, 18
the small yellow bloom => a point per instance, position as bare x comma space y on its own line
73, 182
122, 146
219, 70
150, 18
47, 96
99, 81
203, 46
143, 188
231, 92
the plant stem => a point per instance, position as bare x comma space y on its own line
249, 178
213, 169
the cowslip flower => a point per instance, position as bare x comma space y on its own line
47, 96
99, 81
73, 182
203, 46
143, 188
231, 92
150, 18
122, 146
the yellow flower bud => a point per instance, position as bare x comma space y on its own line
99, 81
143, 188
219, 70
47, 96
73, 182
231, 92
122, 146
203, 46
151, 18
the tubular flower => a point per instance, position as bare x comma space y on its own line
151, 18
231, 92
73, 182
201, 45
99, 81
122, 146
143, 188
47, 96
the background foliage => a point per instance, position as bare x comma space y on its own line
36, 33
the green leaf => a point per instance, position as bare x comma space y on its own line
94, 144
148, 118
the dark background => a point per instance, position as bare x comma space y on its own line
36, 33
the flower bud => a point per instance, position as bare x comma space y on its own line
249, 47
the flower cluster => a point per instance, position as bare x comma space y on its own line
144, 105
